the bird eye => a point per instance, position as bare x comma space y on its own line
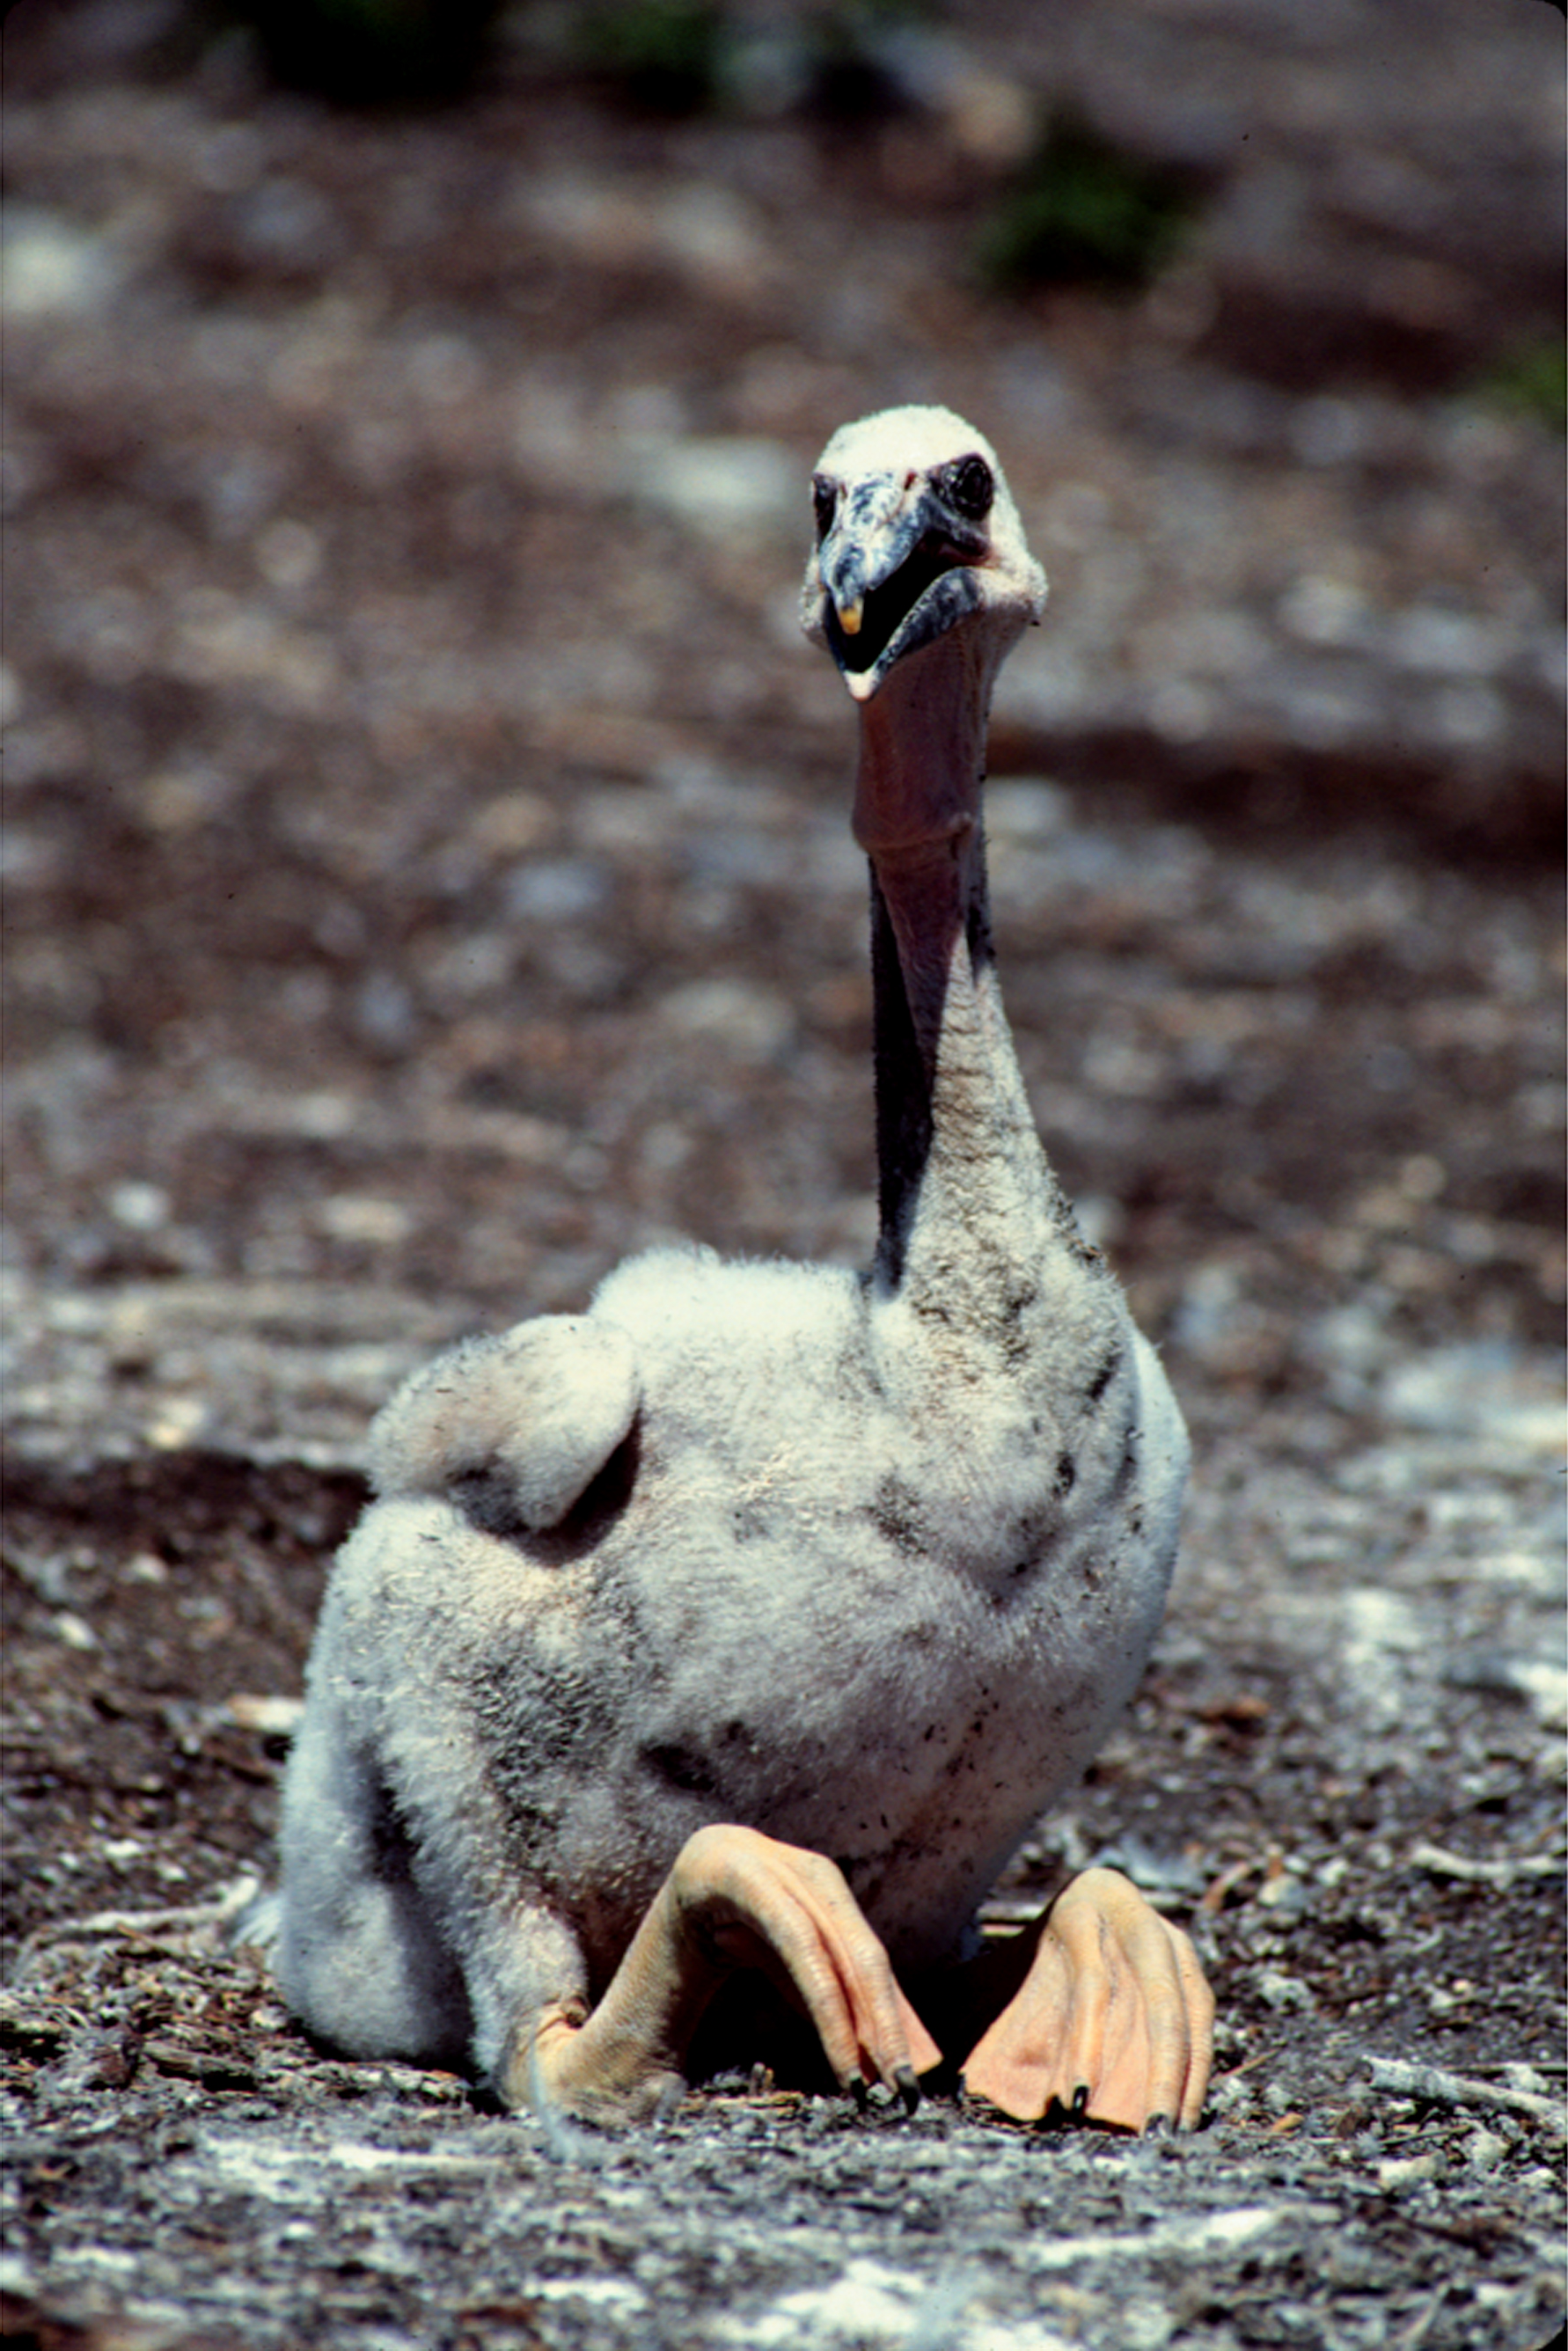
824, 498
968, 488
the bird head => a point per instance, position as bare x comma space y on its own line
916, 535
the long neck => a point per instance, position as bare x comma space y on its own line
966, 1199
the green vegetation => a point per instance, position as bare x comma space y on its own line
1535, 381
669, 56
1081, 210
687, 56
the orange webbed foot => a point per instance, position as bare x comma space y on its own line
1114, 2023
735, 1898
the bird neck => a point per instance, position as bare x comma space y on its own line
961, 1173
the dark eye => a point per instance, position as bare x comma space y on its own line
824, 498
968, 488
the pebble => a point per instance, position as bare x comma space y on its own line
179, 1422
1286, 1897
274, 1717
140, 1206
365, 1219
50, 265
753, 1023
28, 859
1545, 1686
286, 224
1484, 2150
1026, 809
726, 489
1278, 1990
384, 1011
556, 889
869, 2303
1409, 2170
1480, 1389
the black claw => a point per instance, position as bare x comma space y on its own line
1080, 2106
908, 2088
1157, 2126
856, 2086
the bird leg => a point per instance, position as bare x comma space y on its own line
735, 1898
1112, 2022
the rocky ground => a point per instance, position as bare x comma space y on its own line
426, 878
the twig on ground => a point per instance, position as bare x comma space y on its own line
1403, 2079
194, 1927
1439, 1862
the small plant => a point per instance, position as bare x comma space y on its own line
1081, 210
829, 60
1534, 380
668, 55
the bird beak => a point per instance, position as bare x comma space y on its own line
891, 575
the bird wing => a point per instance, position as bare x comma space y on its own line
530, 1418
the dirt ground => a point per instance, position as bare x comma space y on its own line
427, 879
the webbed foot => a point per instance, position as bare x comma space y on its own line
735, 1898
1112, 2023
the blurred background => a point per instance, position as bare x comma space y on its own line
426, 862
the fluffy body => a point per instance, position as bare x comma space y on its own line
879, 1613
